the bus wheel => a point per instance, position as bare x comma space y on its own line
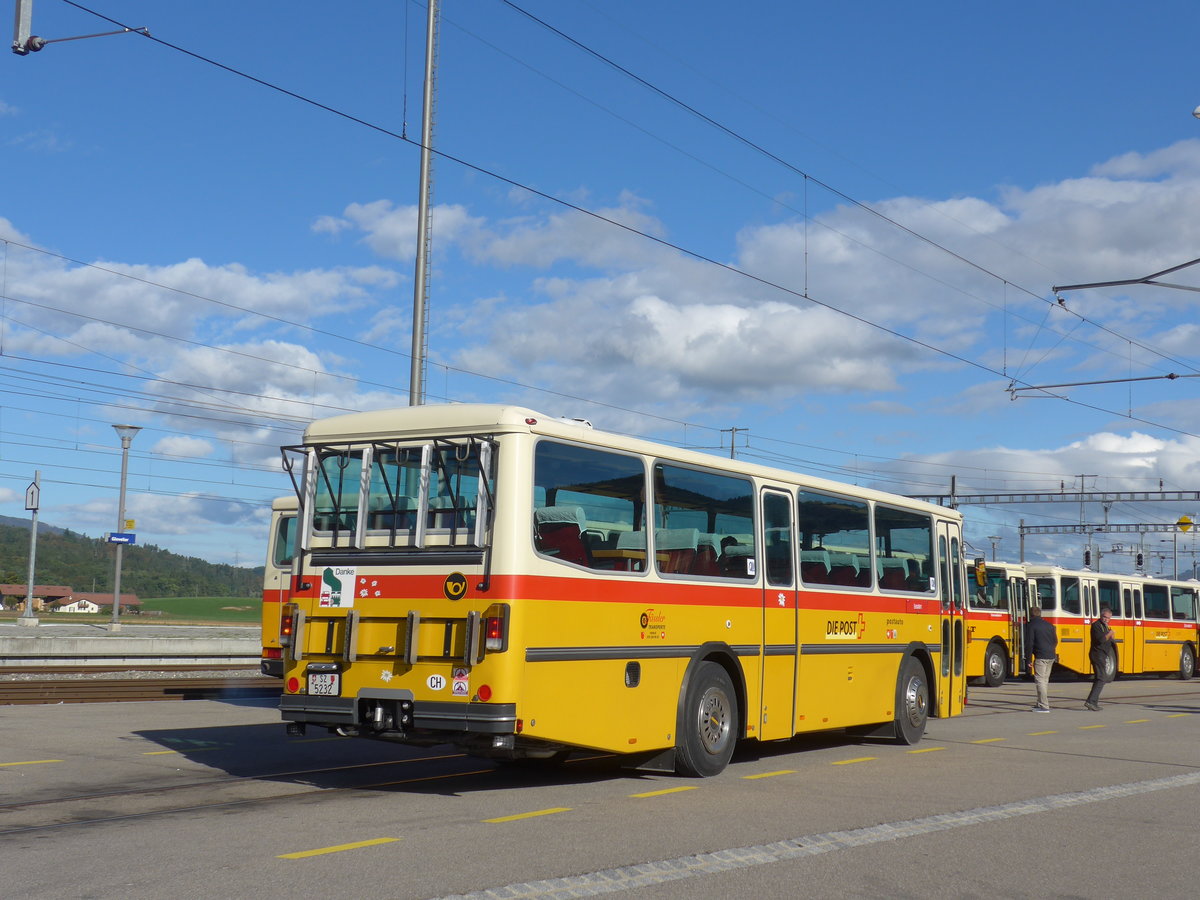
912, 702
1187, 662
707, 732
1110, 667
995, 665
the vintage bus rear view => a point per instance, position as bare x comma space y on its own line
523, 586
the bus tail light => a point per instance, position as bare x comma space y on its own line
495, 627
287, 624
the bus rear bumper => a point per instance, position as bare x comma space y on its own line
379, 711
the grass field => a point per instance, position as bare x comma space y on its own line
226, 610
171, 611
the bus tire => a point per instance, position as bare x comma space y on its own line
995, 665
912, 701
707, 731
1110, 667
1187, 662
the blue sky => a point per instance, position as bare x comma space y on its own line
841, 224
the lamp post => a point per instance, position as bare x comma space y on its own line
995, 539
126, 434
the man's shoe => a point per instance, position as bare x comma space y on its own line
1045, 709
1094, 707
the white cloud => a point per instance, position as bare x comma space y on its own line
183, 446
391, 231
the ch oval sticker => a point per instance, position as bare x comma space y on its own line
455, 586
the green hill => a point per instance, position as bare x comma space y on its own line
86, 564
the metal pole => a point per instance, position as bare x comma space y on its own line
126, 433
416, 378
1175, 553
27, 617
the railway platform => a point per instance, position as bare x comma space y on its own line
85, 644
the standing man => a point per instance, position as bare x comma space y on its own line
1042, 641
1101, 655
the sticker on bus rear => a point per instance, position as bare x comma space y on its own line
337, 586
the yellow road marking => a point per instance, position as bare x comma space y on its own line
1179, 715
338, 849
159, 752
529, 815
1040, 733
31, 762
927, 750
1086, 727
1136, 721
989, 740
847, 762
770, 774
674, 790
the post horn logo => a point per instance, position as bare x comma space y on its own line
455, 586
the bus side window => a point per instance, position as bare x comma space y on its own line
903, 544
835, 540
777, 527
1071, 601
691, 504
1157, 604
588, 506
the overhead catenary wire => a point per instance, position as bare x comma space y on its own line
679, 249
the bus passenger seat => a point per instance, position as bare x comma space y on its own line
680, 546
843, 569
705, 562
558, 532
895, 574
814, 566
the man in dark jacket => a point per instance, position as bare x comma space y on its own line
1042, 644
1101, 654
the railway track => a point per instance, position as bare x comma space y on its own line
149, 687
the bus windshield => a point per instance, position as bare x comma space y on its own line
440, 487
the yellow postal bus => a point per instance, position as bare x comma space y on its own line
997, 610
1154, 619
523, 586
277, 578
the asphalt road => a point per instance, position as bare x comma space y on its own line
209, 799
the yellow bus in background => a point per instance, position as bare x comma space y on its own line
277, 577
1154, 619
997, 611
524, 586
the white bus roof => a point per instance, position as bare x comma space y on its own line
449, 420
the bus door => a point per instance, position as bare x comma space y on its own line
1133, 651
1116, 599
951, 675
780, 649
1018, 615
